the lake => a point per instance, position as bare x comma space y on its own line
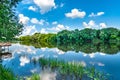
22, 59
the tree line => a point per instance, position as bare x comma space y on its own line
106, 35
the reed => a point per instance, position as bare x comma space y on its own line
35, 77
74, 69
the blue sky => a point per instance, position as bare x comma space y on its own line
47, 16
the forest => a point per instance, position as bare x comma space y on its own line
87, 40
106, 35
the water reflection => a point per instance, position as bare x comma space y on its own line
5, 53
47, 74
23, 59
86, 48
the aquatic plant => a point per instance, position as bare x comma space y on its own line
43, 62
53, 63
35, 77
74, 69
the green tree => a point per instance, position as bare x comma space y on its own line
9, 22
108, 34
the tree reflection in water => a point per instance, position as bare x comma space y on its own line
86, 48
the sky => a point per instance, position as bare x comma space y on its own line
52, 16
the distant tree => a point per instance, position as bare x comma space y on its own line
110, 35
88, 34
107, 34
9, 22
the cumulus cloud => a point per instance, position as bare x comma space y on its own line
23, 19
103, 25
36, 21
59, 27
45, 5
44, 31
41, 22
54, 29
32, 8
92, 24
97, 14
75, 13
29, 30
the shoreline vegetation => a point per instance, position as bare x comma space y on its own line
63, 70
7, 74
106, 40
105, 35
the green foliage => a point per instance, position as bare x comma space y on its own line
106, 40
35, 77
86, 48
74, 69
9, 23
109, 35
6, 74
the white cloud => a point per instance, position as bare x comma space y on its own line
23, 19
42, 22
32, 8
55, 22
44, 31
45, 5
29, 30
59, 6
98, 14
54, 29
89, 25
92, 24
103, 25
36, 21
75, 13
59, 27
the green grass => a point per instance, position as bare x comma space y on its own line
73, 69
35, 77
6, 74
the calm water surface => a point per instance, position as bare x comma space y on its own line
22, 60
